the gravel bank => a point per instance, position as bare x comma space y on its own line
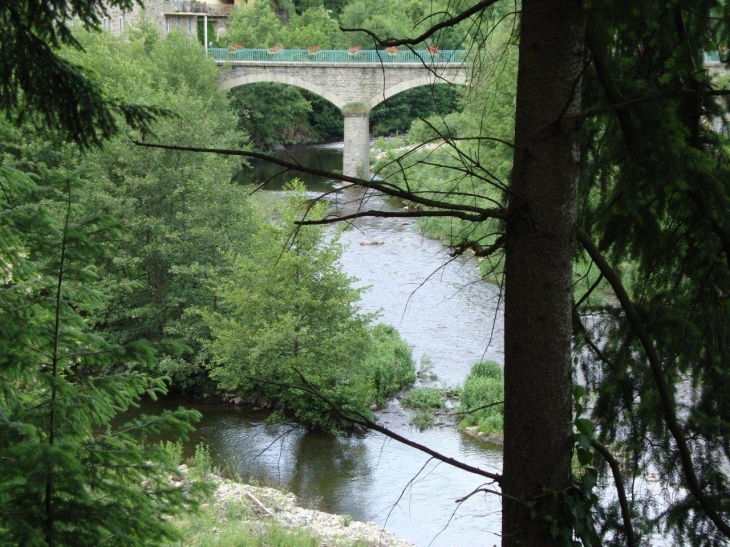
333, 529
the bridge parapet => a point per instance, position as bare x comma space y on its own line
378, 56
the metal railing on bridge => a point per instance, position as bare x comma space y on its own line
339, 56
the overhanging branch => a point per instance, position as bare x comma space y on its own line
479, 213
452, 21
363, 421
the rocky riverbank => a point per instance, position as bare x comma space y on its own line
263, 503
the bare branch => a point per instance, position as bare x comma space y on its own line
478, 7
619, 482
363, 421
478, 409
476, 491
387, 189
391, 214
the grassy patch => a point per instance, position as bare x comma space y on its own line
425, 398
228, 527
426, 402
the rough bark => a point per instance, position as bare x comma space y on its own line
539, 248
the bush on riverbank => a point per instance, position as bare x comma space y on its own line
391, 361
482, 398
227, 527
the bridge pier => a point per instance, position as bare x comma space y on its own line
356, 153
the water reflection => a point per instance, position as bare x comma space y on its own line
327, 157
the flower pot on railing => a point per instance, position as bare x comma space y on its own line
433, 51
354, 50
235, 48
312, 51
392, 51
273, 50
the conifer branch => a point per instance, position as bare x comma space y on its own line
655, 365
620, 489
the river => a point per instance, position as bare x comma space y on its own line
451, 319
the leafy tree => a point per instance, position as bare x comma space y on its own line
314, 27
182, 214
272, 114
295, 312
254, 25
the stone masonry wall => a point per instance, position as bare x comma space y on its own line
342, 83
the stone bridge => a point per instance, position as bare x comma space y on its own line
355, 82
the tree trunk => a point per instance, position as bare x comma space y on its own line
539, 248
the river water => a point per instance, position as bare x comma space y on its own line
451, 319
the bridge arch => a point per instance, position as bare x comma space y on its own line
263, 77
430, 79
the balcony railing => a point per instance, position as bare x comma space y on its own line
338, 56
712, 57
193, 6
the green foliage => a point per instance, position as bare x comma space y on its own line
295, 310
422, 419
175, 450
287, 311
229, 527
487, 369
325, 119
68, 477
254, 25
38, 84
398, 113
424, 398
272, 114
201, 464
314, 27
389, 362
482, 397
354, 109
178, 210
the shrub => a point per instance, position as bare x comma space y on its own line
424, 398
487, 369
484, 386
390, 362
201, 465
422, 419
